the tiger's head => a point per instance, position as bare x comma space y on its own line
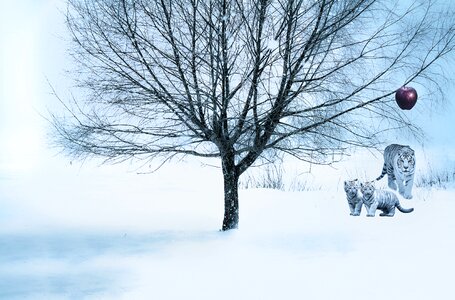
367, 188
351, 187
406, 160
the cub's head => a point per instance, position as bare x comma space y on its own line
406, 160
351, 187
367, 188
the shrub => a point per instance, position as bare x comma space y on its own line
440, 178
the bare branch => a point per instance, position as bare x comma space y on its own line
207, 78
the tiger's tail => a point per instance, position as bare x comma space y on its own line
384, 171
404, 210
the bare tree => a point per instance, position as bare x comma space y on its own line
244, 80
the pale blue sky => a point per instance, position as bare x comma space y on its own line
32, 50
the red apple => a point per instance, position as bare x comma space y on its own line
406, 97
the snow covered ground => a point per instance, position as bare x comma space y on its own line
97, 233
71, 232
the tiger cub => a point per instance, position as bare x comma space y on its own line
399, 165
380, 199
352, 189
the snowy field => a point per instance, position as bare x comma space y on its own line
99, 233
81, 232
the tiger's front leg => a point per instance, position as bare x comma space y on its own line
358, 209
404, 190
407, 193
391, 182
372, 210
352, 209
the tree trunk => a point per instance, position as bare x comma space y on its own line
231, 195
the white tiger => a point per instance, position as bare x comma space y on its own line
399, 165
384, 200
352, 189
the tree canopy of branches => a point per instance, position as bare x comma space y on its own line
243, 80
